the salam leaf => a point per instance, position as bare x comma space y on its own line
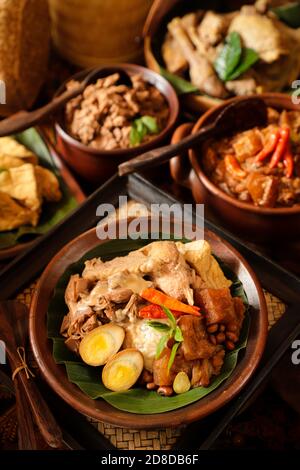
137, 400
52, 212
249, 57
233, 59
289, 14
229, 57
180, 85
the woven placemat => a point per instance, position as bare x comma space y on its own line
160, 439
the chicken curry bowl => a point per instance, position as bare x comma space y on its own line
260, 166
164, 320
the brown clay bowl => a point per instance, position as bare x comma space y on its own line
255, 223
95, 165
56, 375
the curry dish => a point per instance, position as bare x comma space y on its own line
260, 166
163, 317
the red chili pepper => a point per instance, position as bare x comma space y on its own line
269, 147
233, 167
288, 161
155, 311
281, 147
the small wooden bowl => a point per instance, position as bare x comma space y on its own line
95, 165
254, 223
56, 375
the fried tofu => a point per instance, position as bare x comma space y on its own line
48, 184
12, 148
199, 255
20, 183
13, 215
6, 162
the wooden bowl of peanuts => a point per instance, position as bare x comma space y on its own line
113, 121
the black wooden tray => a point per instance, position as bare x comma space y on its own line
284, 285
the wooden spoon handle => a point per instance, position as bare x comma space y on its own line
43, 417
27, 436
24, 119
163, 154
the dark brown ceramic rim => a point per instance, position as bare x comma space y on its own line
276, 100
56, 376
149, 76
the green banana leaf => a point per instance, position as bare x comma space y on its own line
88, 379
52, 212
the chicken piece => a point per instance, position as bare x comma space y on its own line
96, 269
198, 254
20, 183
213, 27
244, 85
217, 305
48, 184
263, 189
196, 344
247, 144
13, 215
172, 55
11, 147
168, 270
202, 73
261, 33
203, 370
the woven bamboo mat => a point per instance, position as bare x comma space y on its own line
160, 439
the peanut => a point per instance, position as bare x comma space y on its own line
220, 338
165, 391
232, 336
151, 386
230, 345
213, 339
213, 328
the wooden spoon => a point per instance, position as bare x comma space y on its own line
237, 116
24, 119
14, 333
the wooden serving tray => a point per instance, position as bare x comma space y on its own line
277, 281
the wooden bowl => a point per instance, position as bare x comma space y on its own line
98, 165
255, 223
56, 375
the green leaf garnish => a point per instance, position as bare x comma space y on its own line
172, 355
233, 59
157, 325
180, 85
170, 316
249, 57
161, 346
229, 56
141, 127
178, 334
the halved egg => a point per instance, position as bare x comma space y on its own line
101, 343
122, 370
